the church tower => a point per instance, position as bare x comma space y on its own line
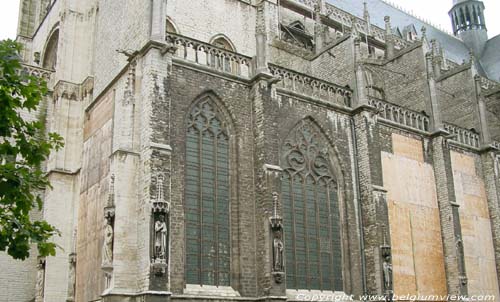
467, 18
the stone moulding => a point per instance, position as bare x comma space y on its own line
210, 56
463, 136
36, 71
400, 115
307, 85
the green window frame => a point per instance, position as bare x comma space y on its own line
207, 194
311, 212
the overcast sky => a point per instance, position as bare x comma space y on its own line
434, 10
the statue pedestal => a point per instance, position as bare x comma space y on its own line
278, 277
158, 268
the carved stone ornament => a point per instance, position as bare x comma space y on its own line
107, 278
71, 278
276, 223
40, 280
461, 267
386, 267
160, 239
160, 230
107, 247
109, 216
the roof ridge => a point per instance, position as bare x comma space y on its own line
411, 13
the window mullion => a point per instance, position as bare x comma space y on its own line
330, 231
318, 234
294, 227
306, 235
216, 208
200, 206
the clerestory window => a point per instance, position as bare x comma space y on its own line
207, 197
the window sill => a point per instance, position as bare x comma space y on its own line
210, 290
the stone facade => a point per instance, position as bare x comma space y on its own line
409, 141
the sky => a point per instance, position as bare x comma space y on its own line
434, 10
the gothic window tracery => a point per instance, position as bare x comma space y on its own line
311, 212
207, 197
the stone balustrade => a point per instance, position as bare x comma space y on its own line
36, 71
462, 135
309, 86
347, 19
210, 56
400, 115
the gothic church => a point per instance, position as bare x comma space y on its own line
264, 150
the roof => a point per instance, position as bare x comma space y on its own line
491, 58
454, 48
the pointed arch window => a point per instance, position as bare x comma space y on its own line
220, 60
50, 53
207, 197
311, 212
170, 27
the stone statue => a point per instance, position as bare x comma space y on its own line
40, 280
107, 248
387, 269
160, 240
71, 278
278, 252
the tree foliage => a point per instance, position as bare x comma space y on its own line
24, 147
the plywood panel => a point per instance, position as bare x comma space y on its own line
407, 147
418, 262
476, 226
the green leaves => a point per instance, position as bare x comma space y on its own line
24, 146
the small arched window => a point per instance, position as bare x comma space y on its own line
171, 27
223, 43
207, 194
50, 53
222, 61
311, 212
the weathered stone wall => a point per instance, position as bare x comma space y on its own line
260, 117
186, 87
493, 116
414, 219
457, 100
404, 80
280, 116
203, 21
336, 65
95, 180
120, 26
60, 205
476, 224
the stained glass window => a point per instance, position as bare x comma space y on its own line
311, 212
207, 197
